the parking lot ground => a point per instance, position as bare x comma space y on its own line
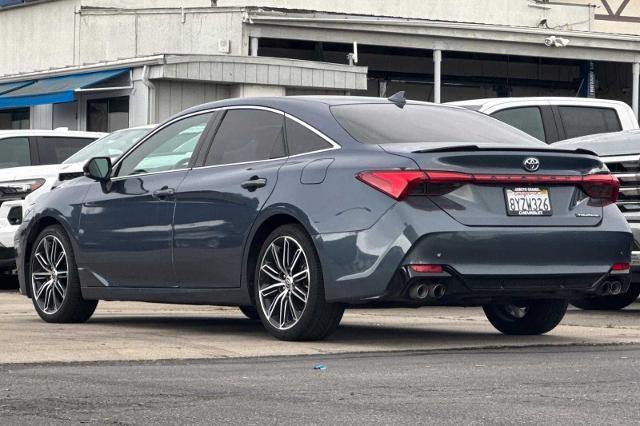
123, 331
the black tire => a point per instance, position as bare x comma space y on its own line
609, 303
250, 312
8, 281
317, 319
537, 317
73, 308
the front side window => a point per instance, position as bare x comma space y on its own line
54, 150
113, 145
527, 119
582, 121
247, 135
302, 140
169, 149
414, 123
14, 152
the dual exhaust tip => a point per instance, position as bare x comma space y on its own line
610, 288
424, 291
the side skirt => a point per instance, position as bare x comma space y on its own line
182, 296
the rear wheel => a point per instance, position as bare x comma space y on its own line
53, 275
526, 318
289, 289
609, 303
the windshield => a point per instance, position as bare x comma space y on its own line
388, 123
113, 145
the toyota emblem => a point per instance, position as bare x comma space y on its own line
531, 164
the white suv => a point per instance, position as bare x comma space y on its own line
26, 157
554, 119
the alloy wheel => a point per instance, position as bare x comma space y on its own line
49, 274
283, 281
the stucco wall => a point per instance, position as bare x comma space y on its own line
37, 36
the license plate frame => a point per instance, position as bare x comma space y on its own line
529, 201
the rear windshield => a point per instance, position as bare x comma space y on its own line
388, 123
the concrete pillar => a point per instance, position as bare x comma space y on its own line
437, 75
254, 44
636, 88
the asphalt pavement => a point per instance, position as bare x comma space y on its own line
562, 385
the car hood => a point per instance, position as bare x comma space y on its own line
31, 172
606, 144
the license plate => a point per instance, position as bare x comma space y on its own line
528, 201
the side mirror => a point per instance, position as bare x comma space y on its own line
98, 168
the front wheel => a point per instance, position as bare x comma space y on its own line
289, 289
609, 303
53, 275
526, 318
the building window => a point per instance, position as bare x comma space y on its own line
11, 119
108, 115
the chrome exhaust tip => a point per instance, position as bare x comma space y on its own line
438, 291
615, 288
419, 291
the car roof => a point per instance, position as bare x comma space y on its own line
491, 102
313, 110
57, 133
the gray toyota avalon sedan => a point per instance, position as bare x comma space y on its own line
296, 208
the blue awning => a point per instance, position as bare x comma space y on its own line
8, 87
54, 90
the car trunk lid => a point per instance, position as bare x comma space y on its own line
493, 186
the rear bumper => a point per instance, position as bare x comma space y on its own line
483, 262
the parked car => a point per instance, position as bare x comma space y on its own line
553, 119
620, 151
26, 156
295, 208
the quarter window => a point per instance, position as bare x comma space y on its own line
169, 149
527, 119
247, 135
14, 152
581, 121
301, 140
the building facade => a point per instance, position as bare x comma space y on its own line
107, 64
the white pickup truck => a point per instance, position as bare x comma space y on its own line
554, 119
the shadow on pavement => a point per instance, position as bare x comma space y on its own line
380, 335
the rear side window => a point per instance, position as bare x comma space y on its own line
54, 150
388, 123
14, 152
581, 121
302, 140
247, 135
527, 119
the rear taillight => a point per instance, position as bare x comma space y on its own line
394, 183
620, 268
604, 187
400, 183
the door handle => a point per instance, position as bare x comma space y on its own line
254, 183
164, 193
